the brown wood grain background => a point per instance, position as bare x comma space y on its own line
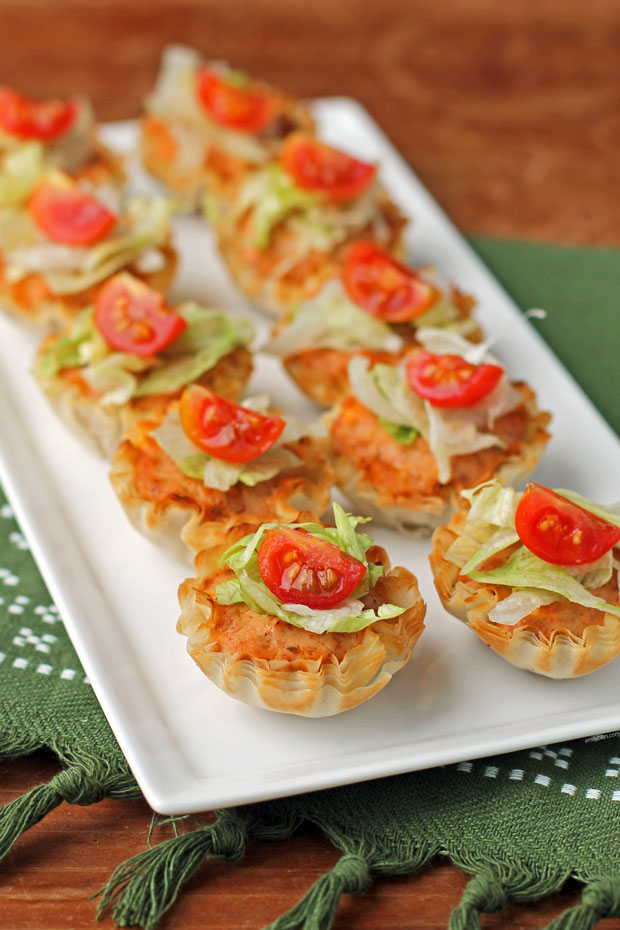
510, 113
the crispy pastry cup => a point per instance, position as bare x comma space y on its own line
211, 520
31, 300
289, 683
559, 653
102, 426
419, 514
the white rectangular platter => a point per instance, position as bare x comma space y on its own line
191, 747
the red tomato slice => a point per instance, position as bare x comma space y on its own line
301, 569
384, 287
318, 167
133, 318
30, 119
243, 108
559, 531
67, 214
226, 430
450, 381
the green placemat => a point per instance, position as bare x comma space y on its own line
521, 823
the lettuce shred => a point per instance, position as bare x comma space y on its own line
248, 587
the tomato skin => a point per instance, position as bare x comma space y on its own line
67, 214
224, 429
559, 531
301, 569
45, 120
320, 168
133, 317
384, 287
245, 109
450, 381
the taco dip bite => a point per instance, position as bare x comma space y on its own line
212, 471
410, 437
291, 223
535, 576
36, 135
58, 247
372, 308
127, 356
206, 124
305, 619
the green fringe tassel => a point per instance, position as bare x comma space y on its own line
73, 784
317, 909
599, 899
492, 889
143, 888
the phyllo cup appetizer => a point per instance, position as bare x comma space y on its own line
290, 224
410, 437
40, 134
212, 471
207, 124
535, 576
305, 619
58, 247
128, 356
373, 307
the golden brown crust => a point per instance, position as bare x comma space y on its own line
560, 640
398, 485
31, 299
305, 674
185, 517
258, 272
102, 426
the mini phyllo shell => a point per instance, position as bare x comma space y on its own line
535, 576
372, 308
128, 356
212, 471
308, 619
39, 135
59, 246
291, 223
206, 125
410, 437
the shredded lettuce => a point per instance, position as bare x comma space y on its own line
525, 570
20, 169
209, 336
405, 435
249, 588
383, 390
332, 321
490, 528
218, 474
143, 225
175, 101
271, 194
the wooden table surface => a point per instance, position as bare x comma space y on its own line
510, 113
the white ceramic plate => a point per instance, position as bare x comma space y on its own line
190, 746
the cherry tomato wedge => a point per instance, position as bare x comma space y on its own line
320, 168
301, 569
239, 107
67, 214
384, 287
30, 119
224, 429
559, 531
133, 318
450, 381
